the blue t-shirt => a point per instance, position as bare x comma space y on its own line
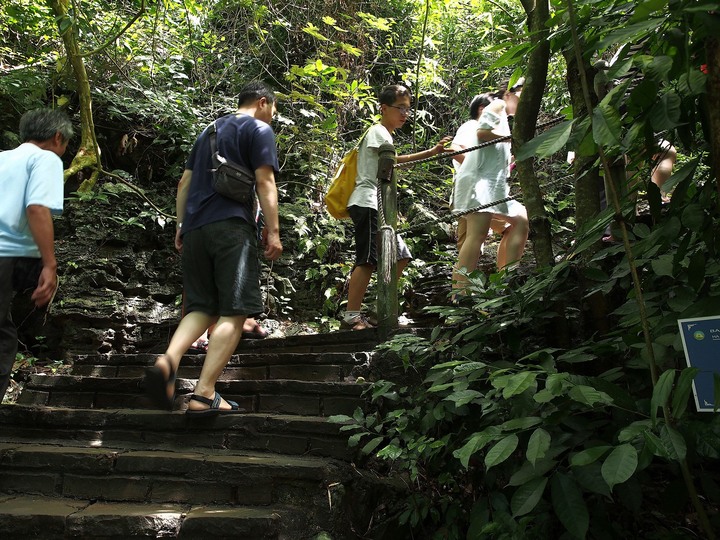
242, 139
28, 175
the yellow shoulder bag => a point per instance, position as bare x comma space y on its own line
343, 184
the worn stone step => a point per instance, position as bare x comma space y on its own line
361, 340
266, 396
143, 429
52, 518
162, 476
297, 366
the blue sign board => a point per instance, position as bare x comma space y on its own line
701, 341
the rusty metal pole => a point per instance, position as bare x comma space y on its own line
387, 297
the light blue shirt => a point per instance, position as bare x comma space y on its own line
28, 175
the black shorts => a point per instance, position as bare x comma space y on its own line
221, 270
365, 221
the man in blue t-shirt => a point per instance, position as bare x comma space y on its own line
219, 244
31, 183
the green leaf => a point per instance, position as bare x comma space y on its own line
524, 422
620, 465
463, 397
569, 505
391, 452
606, 126
588, 395
634, 430
502, 450
475, 443
666, 112
663, 265
527, 496
661, 392
674, 442
339, 419
518, 383
628, 33
527, 471
588, 456
538, 445
681, 396
547, 143
372, 445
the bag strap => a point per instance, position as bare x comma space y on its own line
357, 146
212, 131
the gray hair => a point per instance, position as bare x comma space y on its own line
43, 124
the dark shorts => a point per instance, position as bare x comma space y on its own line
221, 270
365, 221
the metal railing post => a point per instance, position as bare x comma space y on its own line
387, 297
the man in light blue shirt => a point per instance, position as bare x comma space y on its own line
31, 183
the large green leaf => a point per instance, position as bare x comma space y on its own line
502, 450
606, 126
475, 443
620, 465
674, 442
527, 496
588, 395
518, 383
463, 397
569, 505
588, 456
547, 143
661, 392
629, 33
681, 396
538, 445
665, 114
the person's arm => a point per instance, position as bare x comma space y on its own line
456, 148
435, 150
181, 203
43, 233
267, 194
484, 135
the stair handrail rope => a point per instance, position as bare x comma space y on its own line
452, 216
473, 148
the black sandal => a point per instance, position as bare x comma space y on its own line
156, 385
214, 406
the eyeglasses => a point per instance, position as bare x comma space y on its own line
403, 110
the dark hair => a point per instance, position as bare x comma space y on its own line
253, 91
389, 94
43, 124
481, 100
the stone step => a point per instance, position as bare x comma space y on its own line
61, 518
248, 366
152, 429
163, 476
259, 396
361, 340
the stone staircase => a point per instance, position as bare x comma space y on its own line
82, 455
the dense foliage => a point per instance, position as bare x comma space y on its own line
556, 401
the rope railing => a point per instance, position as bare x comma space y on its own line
506, 138
452, 216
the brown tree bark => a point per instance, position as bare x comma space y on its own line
526, 123
712, 51
88, 155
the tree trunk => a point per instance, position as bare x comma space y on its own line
88, 155
526, 123
712, 50
588, 188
